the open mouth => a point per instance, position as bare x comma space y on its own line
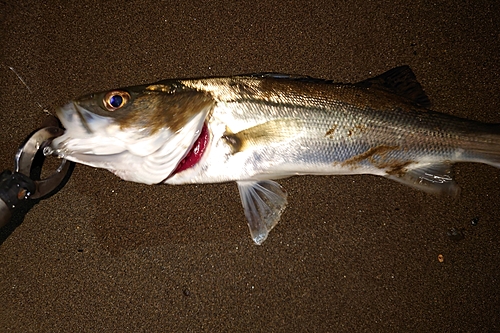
196, 152
74, 117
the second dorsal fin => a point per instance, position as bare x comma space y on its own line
400, 81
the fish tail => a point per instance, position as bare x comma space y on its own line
479, 144
484, 147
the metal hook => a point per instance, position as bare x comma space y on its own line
26, 154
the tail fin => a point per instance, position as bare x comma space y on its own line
479, 143
484, 147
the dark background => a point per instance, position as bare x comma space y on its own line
351, 253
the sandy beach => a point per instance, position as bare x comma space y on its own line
350, 254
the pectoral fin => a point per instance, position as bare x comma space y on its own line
264, 202
273, 131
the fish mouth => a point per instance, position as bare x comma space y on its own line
78, 120
83, 119
66, 115
196, 152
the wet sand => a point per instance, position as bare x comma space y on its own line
351, 253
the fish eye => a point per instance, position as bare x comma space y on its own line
115, 99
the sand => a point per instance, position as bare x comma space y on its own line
351, 253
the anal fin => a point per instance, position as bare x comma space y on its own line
430, 178
263, 202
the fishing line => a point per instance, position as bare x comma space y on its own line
29, 89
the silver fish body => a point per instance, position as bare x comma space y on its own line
253, 129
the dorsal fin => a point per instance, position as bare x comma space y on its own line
400, 81
274, 75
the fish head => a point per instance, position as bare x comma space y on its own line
139, 133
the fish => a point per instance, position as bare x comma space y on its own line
255, 129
